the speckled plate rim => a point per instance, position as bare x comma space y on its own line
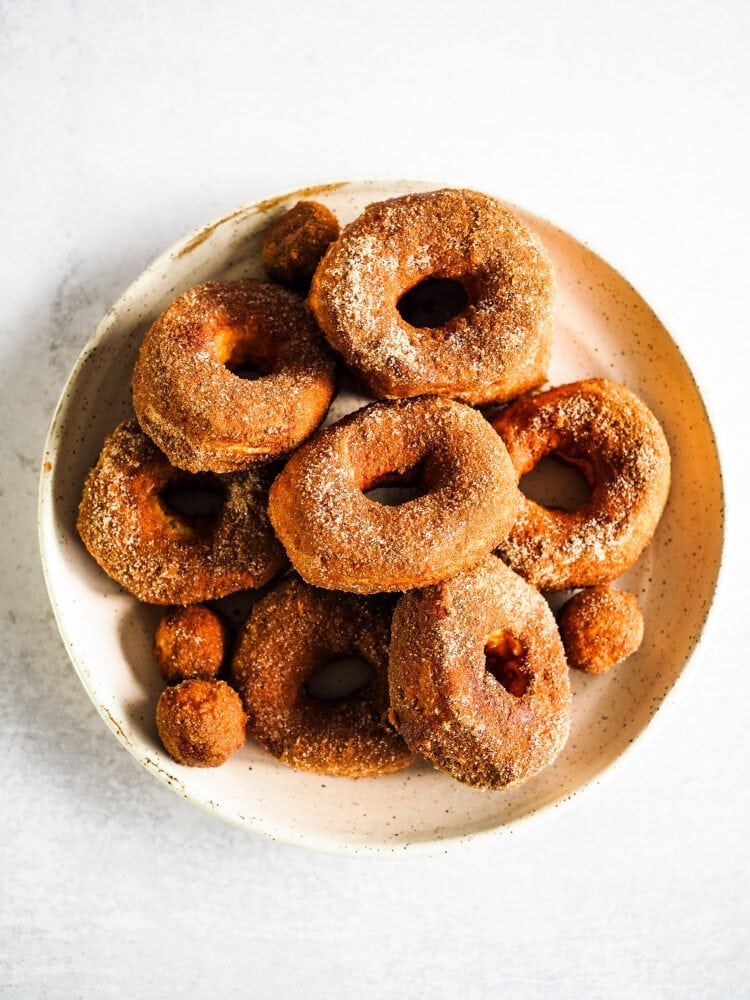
326, 844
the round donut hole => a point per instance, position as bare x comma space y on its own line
503, 658
200, 498
555, 484
397, 488
433, 302
247, 372
338, 679
241, 356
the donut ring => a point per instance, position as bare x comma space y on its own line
497, 347
611, 436
204, 417
338, 538
159, 555
478, 679
290, 634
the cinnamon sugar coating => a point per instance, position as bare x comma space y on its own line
200, 722
497, 347
611, 436
600, 627
290, 634
202, 415
190, 641
159, 555
450, 643
338, 538
296, 241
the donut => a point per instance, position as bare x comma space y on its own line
611, 436
493, 342
478, 679
202, 415
337, 537
191, 641
295, 242
290, 635
200, 722
160, 555
600, 627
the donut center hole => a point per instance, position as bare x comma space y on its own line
433, 302
555, 484
396, 488
339, 678
504, 659
240, 355
199, 500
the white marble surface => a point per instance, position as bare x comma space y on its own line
126, 125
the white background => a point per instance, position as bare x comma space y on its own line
124, 126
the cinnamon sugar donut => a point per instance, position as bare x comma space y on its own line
478, 678
600, 627
292, 633
497, 346
202, 415
338, 538
160, 555
296, 241
200, 722
611, 436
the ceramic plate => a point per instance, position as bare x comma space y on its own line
603, 328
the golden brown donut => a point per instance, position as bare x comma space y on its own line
296, 241
478, 678
496, 347
336, 537
290, 634
159, 555
200, 722
202, 415
612, 437
191, 641
600, 626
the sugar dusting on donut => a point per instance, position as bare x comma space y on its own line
336, 537
607, 432
445, 702
162, 557
203, 416
496, 348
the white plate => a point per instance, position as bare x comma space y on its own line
603, 328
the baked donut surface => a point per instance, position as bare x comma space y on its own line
600, 627
200, 722
296, 241
336, 537
190, 642
202, 415
478, 679
160, 555
292, 633
496, 347
611, 436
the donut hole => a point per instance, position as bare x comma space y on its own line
556, 484
242, 355
339, 679
197, 498
433, 302
396, 488
504, 658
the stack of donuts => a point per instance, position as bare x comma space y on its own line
440, 306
